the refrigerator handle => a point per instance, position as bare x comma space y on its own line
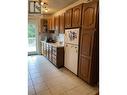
76, 49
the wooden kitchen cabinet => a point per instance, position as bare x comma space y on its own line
68, 18
53, 54
50, 52
58, 56
49, 24
73, 17
57, 23
43, 25
44, 48
53, 25
76, 16
89, 44
62, 23
89, 15
47, 52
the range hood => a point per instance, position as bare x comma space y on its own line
51, 31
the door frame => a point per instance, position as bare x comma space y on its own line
35, 21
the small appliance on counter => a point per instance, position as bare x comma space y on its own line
51, 31
50, 40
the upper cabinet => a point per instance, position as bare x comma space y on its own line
53, 26
73, 17
68, 18
43, 25
89, 15
49, 24
57, 23
76, 16
62, 23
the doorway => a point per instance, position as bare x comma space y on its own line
32, 37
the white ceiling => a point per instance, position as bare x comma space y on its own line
56, 5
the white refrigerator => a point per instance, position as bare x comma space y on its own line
71, 49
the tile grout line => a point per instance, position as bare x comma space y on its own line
33, 84
46, 82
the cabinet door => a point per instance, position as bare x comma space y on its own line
62, 23
89, 15
41, 25
42, 48
68, 18
54, 55
45, 49
57, 23
49, 23
47, 53
53, 25
86, 40
76, 17
86, 45
84, 68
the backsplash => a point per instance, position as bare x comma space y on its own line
54, 36
60, 38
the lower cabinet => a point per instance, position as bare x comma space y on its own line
57, 56
89, 57
54, 54
44, 49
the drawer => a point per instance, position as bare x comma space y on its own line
54, 61
54, 56
54, 53
54, 49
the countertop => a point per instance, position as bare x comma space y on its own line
57, 44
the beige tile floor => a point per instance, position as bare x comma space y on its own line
45, 79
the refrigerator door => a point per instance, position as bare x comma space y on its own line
72, 36
67, 58
74, 59
71, 57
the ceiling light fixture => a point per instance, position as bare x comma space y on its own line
46, 10
42, 3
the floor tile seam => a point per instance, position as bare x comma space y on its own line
33, 85
45, 89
